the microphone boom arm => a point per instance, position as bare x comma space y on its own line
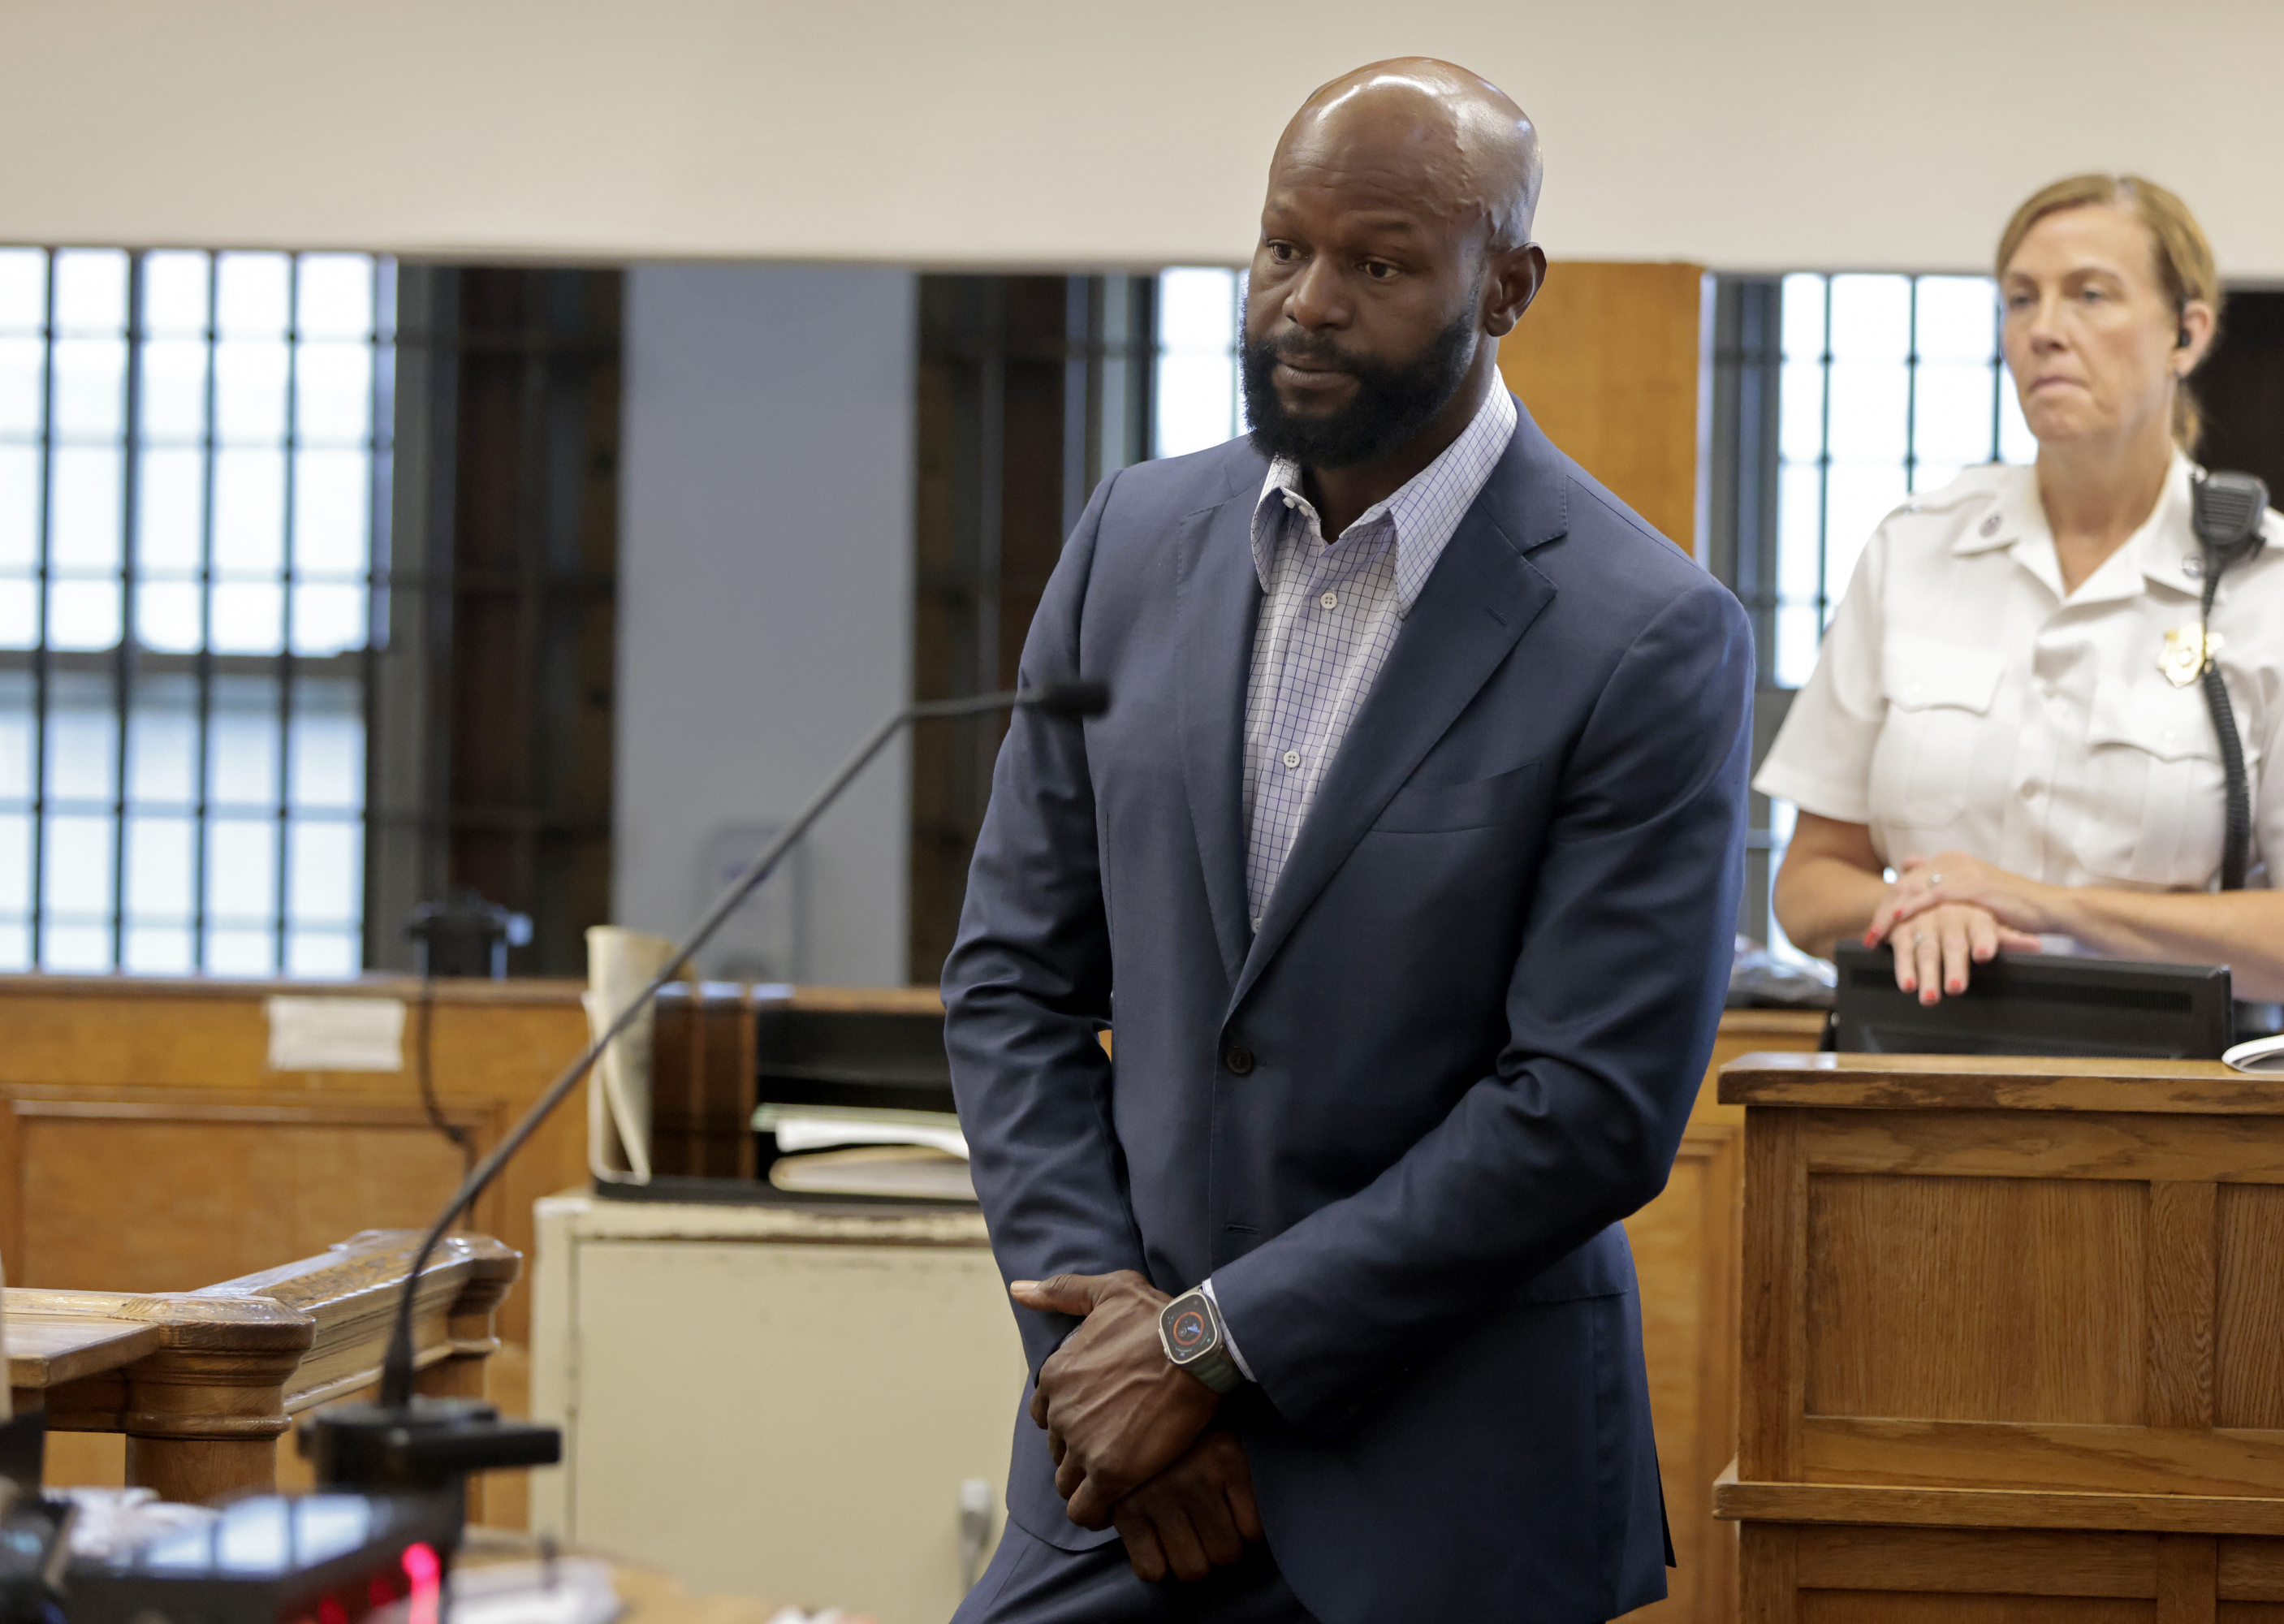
1072, 699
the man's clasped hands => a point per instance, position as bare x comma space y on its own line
1133, 1438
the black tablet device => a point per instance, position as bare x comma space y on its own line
2030, 1003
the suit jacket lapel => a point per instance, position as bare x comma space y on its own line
1220, 601
1479, 600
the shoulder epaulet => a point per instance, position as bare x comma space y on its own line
1972, 485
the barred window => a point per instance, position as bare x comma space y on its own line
1201, 314
194, 465
1891, 385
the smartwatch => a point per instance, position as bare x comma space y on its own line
1189, 1330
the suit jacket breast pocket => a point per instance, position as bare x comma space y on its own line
1482, 803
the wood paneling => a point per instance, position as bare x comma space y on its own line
145, 1145
1606, 359
2180, 1304
2041, 1291
222, 1185
1976, 1298
1970, 1560
203, 1388
2248, 1314
1684, 1245
2081, 1145
2039, 1301
1883, 1504
1775, 1329
1997, 1082
2117, 1459
1888, 1607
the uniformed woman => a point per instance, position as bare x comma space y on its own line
2008, 711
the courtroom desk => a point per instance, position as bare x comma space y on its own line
145, 1145
1685, 1251
2014, 1347
774, 1401
655, 1290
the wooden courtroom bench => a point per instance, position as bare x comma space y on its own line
205, 1384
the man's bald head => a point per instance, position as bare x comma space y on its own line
1472, 149
1395, 253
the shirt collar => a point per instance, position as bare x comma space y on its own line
1424, 510
2164, 549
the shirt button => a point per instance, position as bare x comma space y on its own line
1989, 526
1330, 600
1291, 759
2031, 790
1240, 1060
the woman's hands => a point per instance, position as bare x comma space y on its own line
1946, 913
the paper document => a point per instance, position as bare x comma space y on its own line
820, 1128
2260, 1055
875, 1170
620, 963
336, 1034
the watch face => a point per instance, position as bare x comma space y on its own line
1188, 1331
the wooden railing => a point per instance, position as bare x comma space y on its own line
204, 1384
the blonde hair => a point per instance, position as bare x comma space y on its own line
2184, 258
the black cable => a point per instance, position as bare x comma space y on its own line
425, 1067
2236, 842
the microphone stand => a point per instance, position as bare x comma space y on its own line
404, 1444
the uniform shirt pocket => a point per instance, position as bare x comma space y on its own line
2156, 796
1939, 697
1431, 809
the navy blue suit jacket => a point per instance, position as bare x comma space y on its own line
1478, 1008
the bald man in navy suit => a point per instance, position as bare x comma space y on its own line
1406, 861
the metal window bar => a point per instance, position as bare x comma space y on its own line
36, 889
128, 663
1824, 470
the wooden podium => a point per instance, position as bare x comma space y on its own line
2013, 1341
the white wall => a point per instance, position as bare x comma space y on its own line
1752, 135
765, 589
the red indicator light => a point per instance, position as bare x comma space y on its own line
426, 1570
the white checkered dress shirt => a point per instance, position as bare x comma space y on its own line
1329, 614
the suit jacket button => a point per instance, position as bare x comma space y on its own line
1240, 1060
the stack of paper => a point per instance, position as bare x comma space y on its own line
849, 1150
2260, 1055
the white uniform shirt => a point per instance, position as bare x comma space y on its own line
1961, 700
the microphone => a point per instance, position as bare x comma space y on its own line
404, 1444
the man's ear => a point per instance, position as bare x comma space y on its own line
1517, 274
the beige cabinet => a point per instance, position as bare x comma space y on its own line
775, 1401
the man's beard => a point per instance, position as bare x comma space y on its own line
1391, 403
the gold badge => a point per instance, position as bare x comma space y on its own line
2188, 650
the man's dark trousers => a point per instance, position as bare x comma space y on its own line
1399, 1122
1030, 1582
